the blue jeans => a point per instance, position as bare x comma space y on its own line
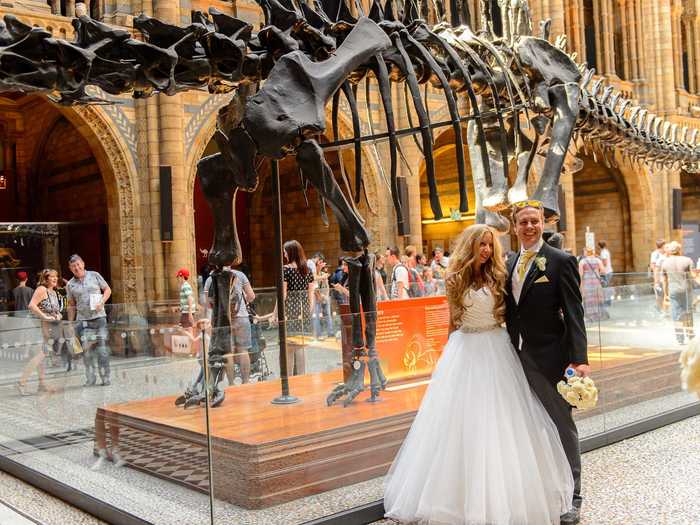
325, 309
93, 338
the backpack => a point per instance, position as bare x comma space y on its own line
416, 287
235, 297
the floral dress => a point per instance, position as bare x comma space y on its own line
297, 311
591, 289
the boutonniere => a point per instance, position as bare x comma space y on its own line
541, 263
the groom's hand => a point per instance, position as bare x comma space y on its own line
581, 370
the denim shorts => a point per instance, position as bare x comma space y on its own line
240, 334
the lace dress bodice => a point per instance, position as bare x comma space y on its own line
478, 311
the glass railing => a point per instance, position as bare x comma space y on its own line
148, 443
640, 332
70, 391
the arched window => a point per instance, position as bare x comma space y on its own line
618, 40
591, 44
497, 20
685, 58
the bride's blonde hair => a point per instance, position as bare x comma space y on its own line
464, 272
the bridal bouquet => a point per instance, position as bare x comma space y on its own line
579, 392
690, 367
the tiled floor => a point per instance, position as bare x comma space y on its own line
35, 504
650, 479
8, 516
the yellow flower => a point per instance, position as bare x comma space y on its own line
541, 263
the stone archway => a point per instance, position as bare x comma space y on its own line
616, 204
120, 178
443, 233
94, 150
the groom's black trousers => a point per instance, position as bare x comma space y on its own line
561, 413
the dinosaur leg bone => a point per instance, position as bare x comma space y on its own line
353, 235
483, 216
564, 99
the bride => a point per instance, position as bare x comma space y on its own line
482, 450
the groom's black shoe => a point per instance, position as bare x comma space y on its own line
571, 518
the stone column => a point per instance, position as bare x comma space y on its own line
70, 8
177, 253
580, 30
649, 31
665, 62
695, 42
555, 10
604, 36
610, 37
599, 27
626, 24
677, 45
687, 27
631, 40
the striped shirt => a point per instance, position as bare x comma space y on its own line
185, 292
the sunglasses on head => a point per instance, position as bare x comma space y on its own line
528, 204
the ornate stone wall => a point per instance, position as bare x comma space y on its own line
641, 54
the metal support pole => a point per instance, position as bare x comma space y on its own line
286, 398
207, 393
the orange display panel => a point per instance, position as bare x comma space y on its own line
410, 335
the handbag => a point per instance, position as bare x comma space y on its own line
595, 272
76, 347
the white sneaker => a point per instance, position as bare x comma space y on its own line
101, 458
117, 459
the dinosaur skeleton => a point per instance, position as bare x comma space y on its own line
525, 97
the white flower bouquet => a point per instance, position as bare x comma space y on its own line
690, 367
579, 392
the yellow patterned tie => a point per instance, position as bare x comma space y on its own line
522, 263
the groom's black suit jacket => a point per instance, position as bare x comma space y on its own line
549, 315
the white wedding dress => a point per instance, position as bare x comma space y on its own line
482, 450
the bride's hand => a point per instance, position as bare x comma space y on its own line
581, 370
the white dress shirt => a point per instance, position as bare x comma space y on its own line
517, 284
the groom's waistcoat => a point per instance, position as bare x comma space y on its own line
547, 321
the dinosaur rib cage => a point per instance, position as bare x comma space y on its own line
383, 136
220, 52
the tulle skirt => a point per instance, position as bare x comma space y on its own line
482, 449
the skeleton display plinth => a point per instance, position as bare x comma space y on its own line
265, 454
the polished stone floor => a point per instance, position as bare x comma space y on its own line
22, 504
650, 479
653, 478
53, 433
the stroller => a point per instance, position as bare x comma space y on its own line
259, 369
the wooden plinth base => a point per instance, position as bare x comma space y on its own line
265, 454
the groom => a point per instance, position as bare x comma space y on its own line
544, 317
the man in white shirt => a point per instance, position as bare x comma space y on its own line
606, 259
399, 276
656, 260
